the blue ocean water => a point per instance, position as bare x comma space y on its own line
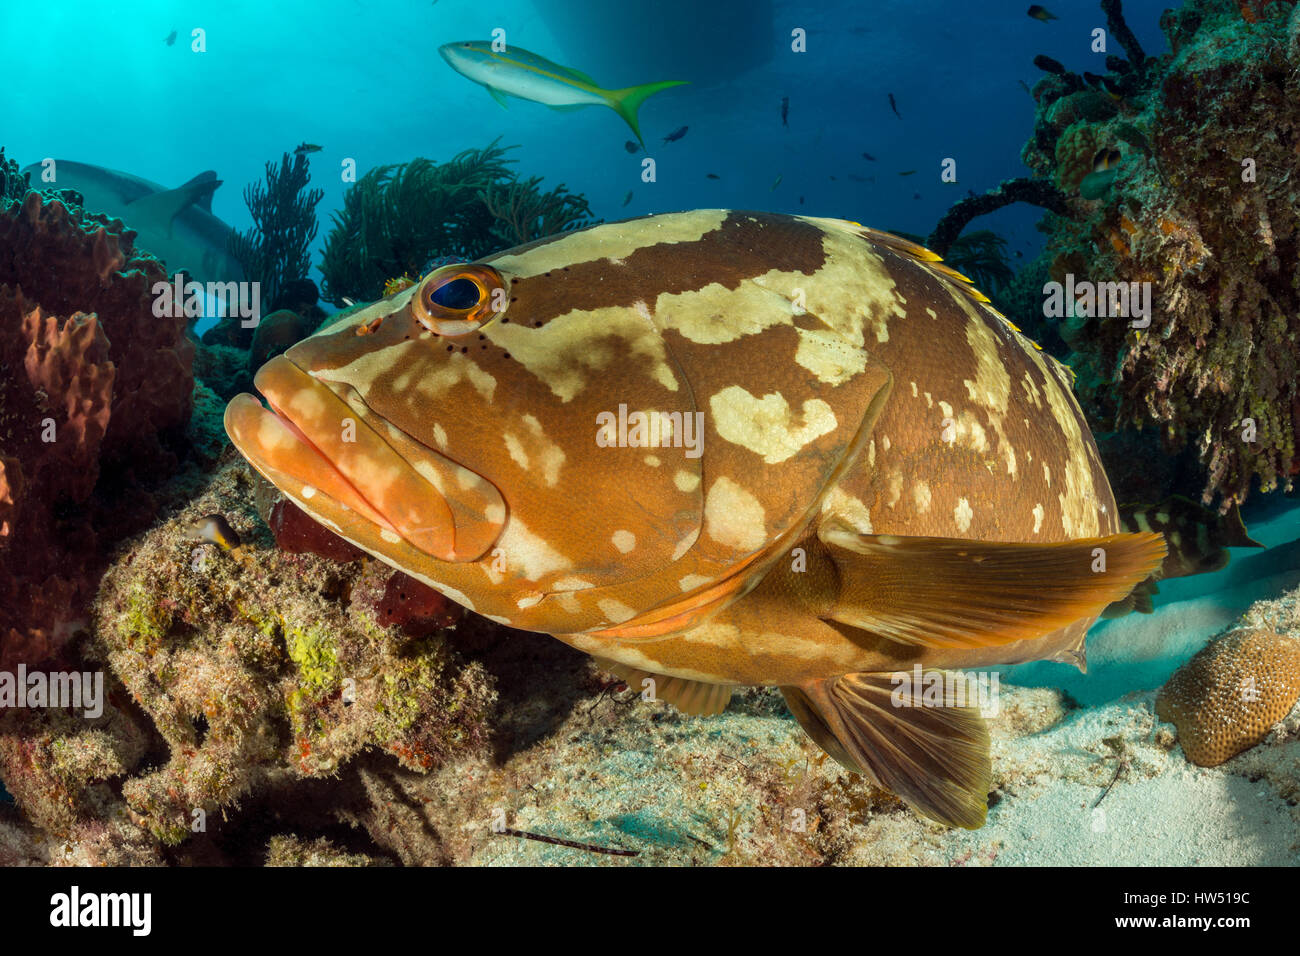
363, 79
839, 109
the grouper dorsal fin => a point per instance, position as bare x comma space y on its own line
159, 210
964, 593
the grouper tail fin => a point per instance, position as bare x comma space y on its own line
626, 102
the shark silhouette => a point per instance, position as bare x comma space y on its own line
176, 225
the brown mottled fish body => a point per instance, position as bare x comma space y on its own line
885, 472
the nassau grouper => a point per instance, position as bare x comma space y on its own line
721, 448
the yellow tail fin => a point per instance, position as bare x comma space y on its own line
626, 102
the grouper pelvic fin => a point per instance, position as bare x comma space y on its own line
689, 696
960, 593
933, 755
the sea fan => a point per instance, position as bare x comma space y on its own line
401, 219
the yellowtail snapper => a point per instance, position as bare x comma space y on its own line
517, 72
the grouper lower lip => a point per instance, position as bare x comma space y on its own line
313, 443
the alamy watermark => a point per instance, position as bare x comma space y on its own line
182, 299
936, 688
1122, 300
59, 689
74, 908
651, 429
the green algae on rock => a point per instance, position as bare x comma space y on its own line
253, 663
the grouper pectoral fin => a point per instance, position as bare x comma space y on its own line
960, 593
689, 696
158, 210
932, 753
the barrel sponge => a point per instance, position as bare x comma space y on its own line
94, 396
1226, 698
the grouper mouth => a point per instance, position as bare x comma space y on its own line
358, 473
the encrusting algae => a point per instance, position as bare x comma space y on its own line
263, 663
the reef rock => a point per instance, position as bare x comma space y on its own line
1202, 208
258, 667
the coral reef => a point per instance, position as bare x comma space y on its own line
274, 334
239, 679
1227, 697
94, 397
1035, 192
13, 184
1201, 204
397, 220
289, 850
223, 368
276, 252
254, 664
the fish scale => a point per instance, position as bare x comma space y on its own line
889, 475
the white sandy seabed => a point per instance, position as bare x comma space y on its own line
1161, 809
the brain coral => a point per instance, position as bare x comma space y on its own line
93, 388
1225, 699
1204, 209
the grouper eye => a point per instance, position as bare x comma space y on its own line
458, 299
457, 295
